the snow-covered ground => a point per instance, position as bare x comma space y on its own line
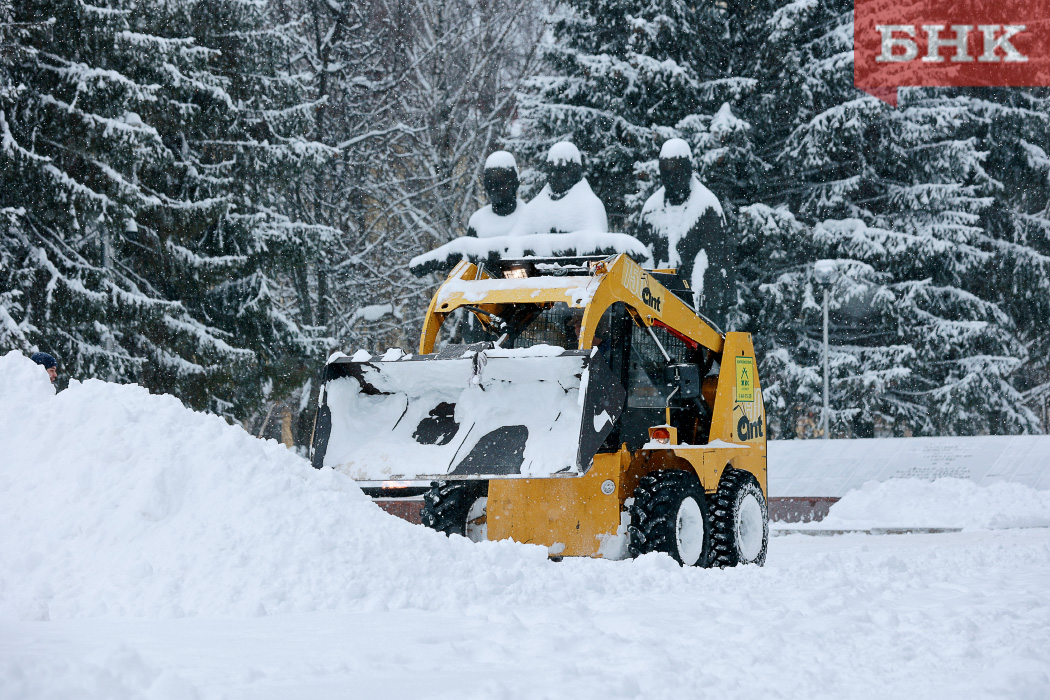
150, 552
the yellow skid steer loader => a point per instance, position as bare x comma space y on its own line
576, 403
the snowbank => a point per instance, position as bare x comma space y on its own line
114, 502
944, 503
117, 503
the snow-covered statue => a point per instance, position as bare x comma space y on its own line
684, 226
566, 203
503, 212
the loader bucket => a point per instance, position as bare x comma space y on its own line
466, 414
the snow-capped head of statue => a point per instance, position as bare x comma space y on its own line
500, 180
676, 171
564, 168
674, 208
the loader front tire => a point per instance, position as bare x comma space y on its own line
457, 508
669, 514
739, 520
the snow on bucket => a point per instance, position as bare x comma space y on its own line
488, 413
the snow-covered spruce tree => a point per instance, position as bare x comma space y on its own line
1013, 127
145, 161
617, 78
897, 197
255, 146
14, 329
75, 153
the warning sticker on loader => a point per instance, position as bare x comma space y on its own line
745, 379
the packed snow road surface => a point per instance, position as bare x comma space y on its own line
924, 616
147, 551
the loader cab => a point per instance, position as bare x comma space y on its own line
637, 355
634, 355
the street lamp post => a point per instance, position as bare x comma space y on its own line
824, 272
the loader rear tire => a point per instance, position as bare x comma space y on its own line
456, 508
739, 520
669, 514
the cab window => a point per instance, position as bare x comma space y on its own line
647, 387
559, 324
531, 324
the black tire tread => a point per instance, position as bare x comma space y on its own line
446, 504
655, 507
720, 517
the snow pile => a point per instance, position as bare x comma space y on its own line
512, 246
948, 503
114, 502
23, 380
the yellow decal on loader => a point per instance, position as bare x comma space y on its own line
637, 283
751, 424
632, 279
745, 379
654, 300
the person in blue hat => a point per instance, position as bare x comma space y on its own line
48, 362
